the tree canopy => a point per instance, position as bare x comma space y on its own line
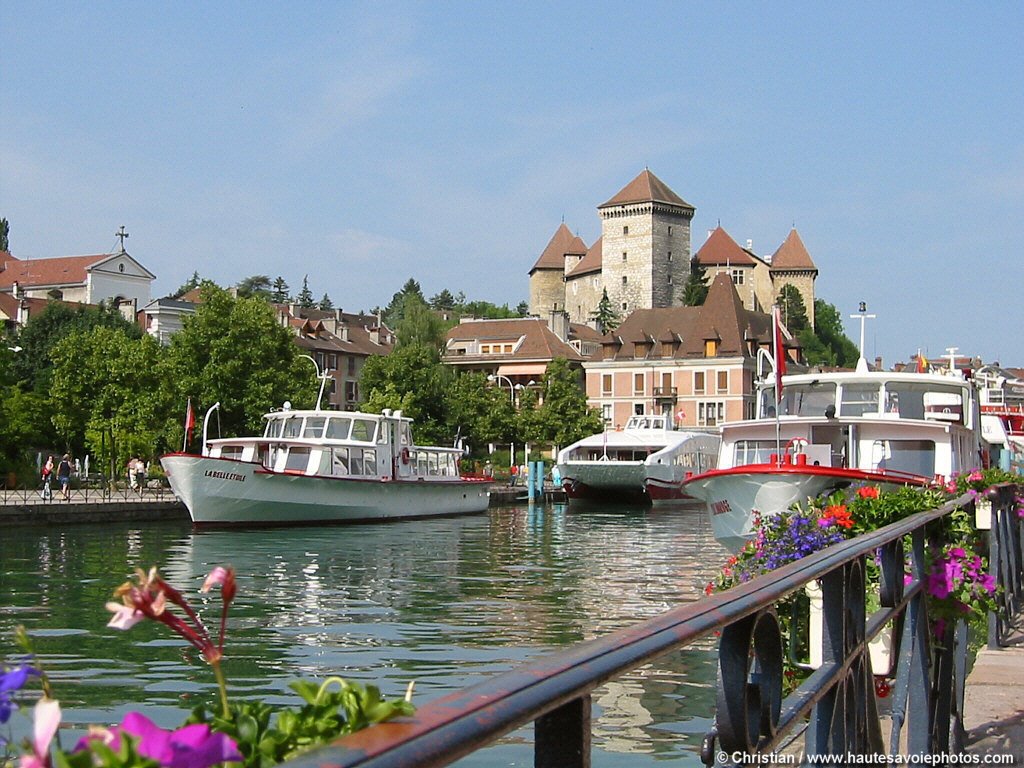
696, 289
605, 317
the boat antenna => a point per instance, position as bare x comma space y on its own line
862, 363
322, 378
952, 359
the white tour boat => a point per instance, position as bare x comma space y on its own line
320, 466
1002, 415
645, 462
835, 429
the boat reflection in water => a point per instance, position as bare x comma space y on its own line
445, 602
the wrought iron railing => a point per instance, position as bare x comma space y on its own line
1006, 562
835, 706
87, 493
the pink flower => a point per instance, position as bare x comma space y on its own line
193, 746
125, 617
975, 477
47, 718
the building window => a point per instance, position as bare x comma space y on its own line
606, 414
625, 230
624, 255
710, 348
351, 366
670, 279
351, 391
507, 349
723, 382
698, 382
638, 383
638, 409
710, 414
670, 257
624, 306
606, 384
737, 277
670, 229
625, 280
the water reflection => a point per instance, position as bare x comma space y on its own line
444, 602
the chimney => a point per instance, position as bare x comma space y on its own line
344, 331
750, 244
375, 334
559, 324
16, 290
295, 310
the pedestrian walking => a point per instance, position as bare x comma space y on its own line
64, 476
47, 492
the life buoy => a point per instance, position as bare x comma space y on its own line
405, 455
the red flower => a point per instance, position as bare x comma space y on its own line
838, 514
868, 492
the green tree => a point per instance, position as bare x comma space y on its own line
564, 416
443, 301
233, 351
325, 303
257, 286
279, 294
420, 325
481, 412
305, 297
106, 393
523, 309
696, 288
5, 233
605, 318
486, 309
38, 337
188, 285
828, 344
794, 313
411, 378
395, 310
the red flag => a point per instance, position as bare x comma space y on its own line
190, 421
779, 353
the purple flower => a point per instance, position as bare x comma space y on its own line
10, 681
193, 746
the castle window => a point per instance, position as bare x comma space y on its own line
624, 306
670, 229
625, 280
624, 255
670, 279
670, 257
625, 230
737, 277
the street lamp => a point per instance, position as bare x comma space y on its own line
497, 377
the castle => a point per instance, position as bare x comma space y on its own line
642, 259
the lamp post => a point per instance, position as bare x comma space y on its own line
497, 377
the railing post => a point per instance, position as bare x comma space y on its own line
561, 738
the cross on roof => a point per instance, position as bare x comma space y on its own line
122, 235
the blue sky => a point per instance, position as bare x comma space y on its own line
365, 143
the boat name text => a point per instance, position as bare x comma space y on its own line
224, 475
720, 507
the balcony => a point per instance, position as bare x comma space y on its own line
665, 394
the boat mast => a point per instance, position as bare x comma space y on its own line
862, 363
321, 376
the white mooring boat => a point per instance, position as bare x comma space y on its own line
317, 466
646, 462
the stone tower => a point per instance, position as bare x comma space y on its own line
645, 236
792, 265
547, 277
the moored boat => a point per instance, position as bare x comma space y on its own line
833, 430
317, 466
643, 463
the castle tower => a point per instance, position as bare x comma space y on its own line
547, 277
645, 235
792, 265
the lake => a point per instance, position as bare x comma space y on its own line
444, 602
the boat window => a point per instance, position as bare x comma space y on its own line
337, 429
231, 452
363, 430
807, 399
292, 427
369, 462
753, 452
914, 456
859, 400
339, 461
314, 427
297, 461
274, 427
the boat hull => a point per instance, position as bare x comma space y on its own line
604, 481
224, 492
733, 495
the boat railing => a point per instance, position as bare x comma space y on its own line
835, 707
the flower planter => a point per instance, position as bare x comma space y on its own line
880, 648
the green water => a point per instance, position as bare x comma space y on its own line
444, 602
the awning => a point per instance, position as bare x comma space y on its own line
522, 369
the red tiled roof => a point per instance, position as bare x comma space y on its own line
792, 254
721, 318
562, 242
720, 249
539, 341
64, 270
589, 263
646, 188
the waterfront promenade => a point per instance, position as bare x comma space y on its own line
994, 700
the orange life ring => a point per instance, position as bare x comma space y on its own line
405, 455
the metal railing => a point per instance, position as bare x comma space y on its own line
1006, 562
87, 494
836, 703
